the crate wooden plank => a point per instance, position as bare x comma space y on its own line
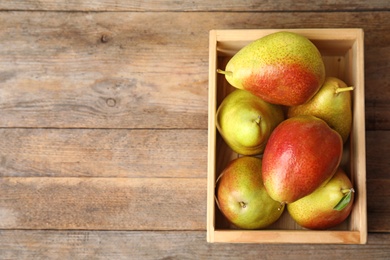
87, 70
203, 5
43, 244
103, 153
103, 203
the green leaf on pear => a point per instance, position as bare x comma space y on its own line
344, 201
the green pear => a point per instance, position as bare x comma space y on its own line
332, 103
245, 121
241, 195
282, 68
302, 153
327, 206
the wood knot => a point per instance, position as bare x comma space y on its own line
104, 38
111, 102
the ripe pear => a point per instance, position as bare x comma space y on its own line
241, 195
282, 68
245, 121
332, 103
327, 206
302, 153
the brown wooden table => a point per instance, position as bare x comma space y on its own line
103, 125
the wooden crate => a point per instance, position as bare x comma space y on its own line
343, 55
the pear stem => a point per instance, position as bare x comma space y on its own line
339, 90
281, 205
229, 73
345, 191
258, 120
242, 204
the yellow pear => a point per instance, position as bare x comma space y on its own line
327, 206
332, 103
245, 121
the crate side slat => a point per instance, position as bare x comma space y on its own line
211, 136
288, 237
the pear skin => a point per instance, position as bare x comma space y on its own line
317, 210
282, 68
332, 103
241, 195
302, 153
245, 121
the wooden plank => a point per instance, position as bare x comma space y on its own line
378, 112
21, 244
377, 154
130, 153
378, 196
129, 203
379, 221
87, 70
103, 203
103, 153
202, 5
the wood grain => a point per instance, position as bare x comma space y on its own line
103, 125
129, 203
103, 153
92, 71
202, 5
130, 153
378, 196
103, 203
22, 244
87, 70
377, 154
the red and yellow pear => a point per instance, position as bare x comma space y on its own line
327, 206
302, 153
241, 195
282, 68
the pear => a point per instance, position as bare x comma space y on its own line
282, 68
302, 153
241, 195
245, 121
332, 103
327, 206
